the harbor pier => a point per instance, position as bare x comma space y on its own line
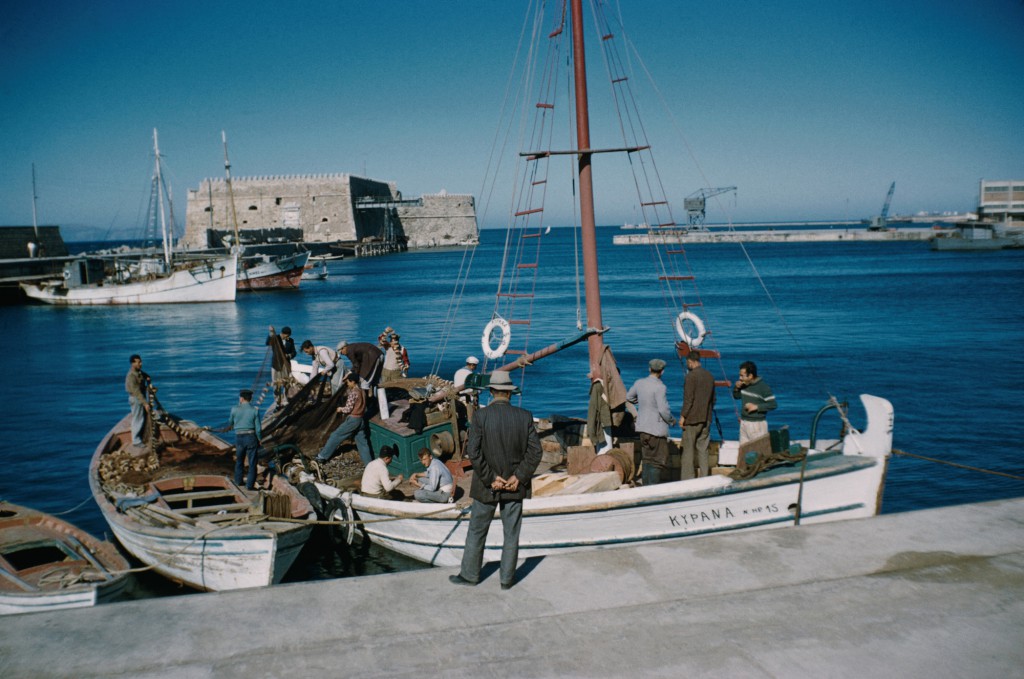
832, 235
933, 593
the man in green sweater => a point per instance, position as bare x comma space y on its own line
756, 399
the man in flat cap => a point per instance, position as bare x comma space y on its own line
652, 422
245, 420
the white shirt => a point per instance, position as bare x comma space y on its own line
324, 359
376, 479
461, 375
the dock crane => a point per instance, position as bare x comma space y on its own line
880, 222
695, 202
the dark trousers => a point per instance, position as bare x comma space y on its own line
246, 447
479, 522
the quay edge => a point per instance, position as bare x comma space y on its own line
936, 592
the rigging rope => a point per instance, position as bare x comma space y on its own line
958, 465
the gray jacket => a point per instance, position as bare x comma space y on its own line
649, 395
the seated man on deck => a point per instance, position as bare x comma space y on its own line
376, 480
438, 484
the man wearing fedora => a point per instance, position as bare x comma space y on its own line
505, 450
653, 421
245, 420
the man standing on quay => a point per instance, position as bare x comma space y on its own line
652, 421
695, 418
505, 451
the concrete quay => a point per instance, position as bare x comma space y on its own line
935, 593
851, 235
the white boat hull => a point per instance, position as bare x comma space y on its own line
81, 597
230, 559
835, 486
213, 281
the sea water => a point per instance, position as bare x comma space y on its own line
939, 334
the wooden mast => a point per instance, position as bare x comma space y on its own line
592, 285
158, 178
231, 193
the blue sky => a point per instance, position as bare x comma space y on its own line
810, 108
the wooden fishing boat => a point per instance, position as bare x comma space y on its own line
91, 281
768, 482
175, 507
272, 272
48, 564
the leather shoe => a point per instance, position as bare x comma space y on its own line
459, 580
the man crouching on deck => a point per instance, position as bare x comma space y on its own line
505, 450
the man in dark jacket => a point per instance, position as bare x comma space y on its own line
698, 402
366, 360
505, 451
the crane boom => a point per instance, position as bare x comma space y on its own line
880, 223
696, 202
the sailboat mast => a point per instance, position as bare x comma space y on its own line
588, 229
35, 226
231, 191
160, 200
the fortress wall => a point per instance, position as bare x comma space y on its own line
321, 205
443, 219
324, 207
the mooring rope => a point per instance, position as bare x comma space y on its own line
955, 464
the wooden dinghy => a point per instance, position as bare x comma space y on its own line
175, 507
48, 564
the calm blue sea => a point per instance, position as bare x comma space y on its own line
937, 333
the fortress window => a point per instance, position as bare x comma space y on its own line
207, 209
324, 219
253, 207
277, 201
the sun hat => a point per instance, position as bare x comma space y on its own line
501, 381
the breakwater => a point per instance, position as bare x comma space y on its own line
833, 235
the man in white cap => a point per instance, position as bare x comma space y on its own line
505, 450
462, 374
652, 421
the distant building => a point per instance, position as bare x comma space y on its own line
333, 208
1001, 200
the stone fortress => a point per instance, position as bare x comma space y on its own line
326, 208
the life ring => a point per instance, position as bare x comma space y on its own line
697, 340
506, 337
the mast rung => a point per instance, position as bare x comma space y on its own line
657, 202
540, 105
607, 36
526, 266
616, 81
539, 182
667, 224
675, 278
519, 322
531, 235
725, 384
674, 252
529, 212
516, 295
692, 305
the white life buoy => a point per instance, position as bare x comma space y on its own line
506, 337
698, 339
